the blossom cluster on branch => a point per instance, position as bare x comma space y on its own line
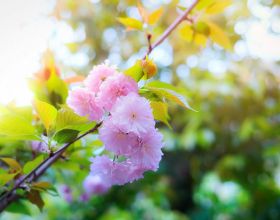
128, 128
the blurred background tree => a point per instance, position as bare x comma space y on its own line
222, 162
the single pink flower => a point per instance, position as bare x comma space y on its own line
93, 184
133, 113
97, 76
83, 102
115, 139
114, 87
147, 153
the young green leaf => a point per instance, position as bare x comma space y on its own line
57, 88
218, 6
41, 186
200, 39
15, 127
204, 3
23, 111
6, 177
131, 23
159, 84
67, 119
169, 92
155, 16
29, 166
13, 164
172, 96
160, 112
65, 135
47, 113
202, 28
18, 207
219, 36
186, 33
136, 71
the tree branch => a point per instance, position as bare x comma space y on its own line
11, 195
172, 27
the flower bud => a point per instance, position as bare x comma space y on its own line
149, 68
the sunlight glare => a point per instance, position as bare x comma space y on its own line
24, 37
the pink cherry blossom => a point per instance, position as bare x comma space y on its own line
93, 184
115, 139
135, 171
147, 154
83, 102
97, 76
133, 114
84, 197
112, 172
103, 166
115, 86
66, 193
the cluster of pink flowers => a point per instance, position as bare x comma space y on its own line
128, 128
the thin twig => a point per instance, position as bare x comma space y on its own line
149, 37
11, 195
171, 28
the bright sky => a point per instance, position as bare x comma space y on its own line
27, 32
24, 36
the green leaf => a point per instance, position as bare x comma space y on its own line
23, 111
187, 33
57, 88
200, 39
219, 36
65, 136
47, 113
15, 126
131, 23
6, 177
204, 3
18, 207
202, 28
218, 6
67, 119
31, 165
34, 197
136, 71
159, 84
155, 16
41, 186
52, 191
169, 92
160, 112
145, 92
13, 164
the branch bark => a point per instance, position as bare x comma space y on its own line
172, 27
11, 195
